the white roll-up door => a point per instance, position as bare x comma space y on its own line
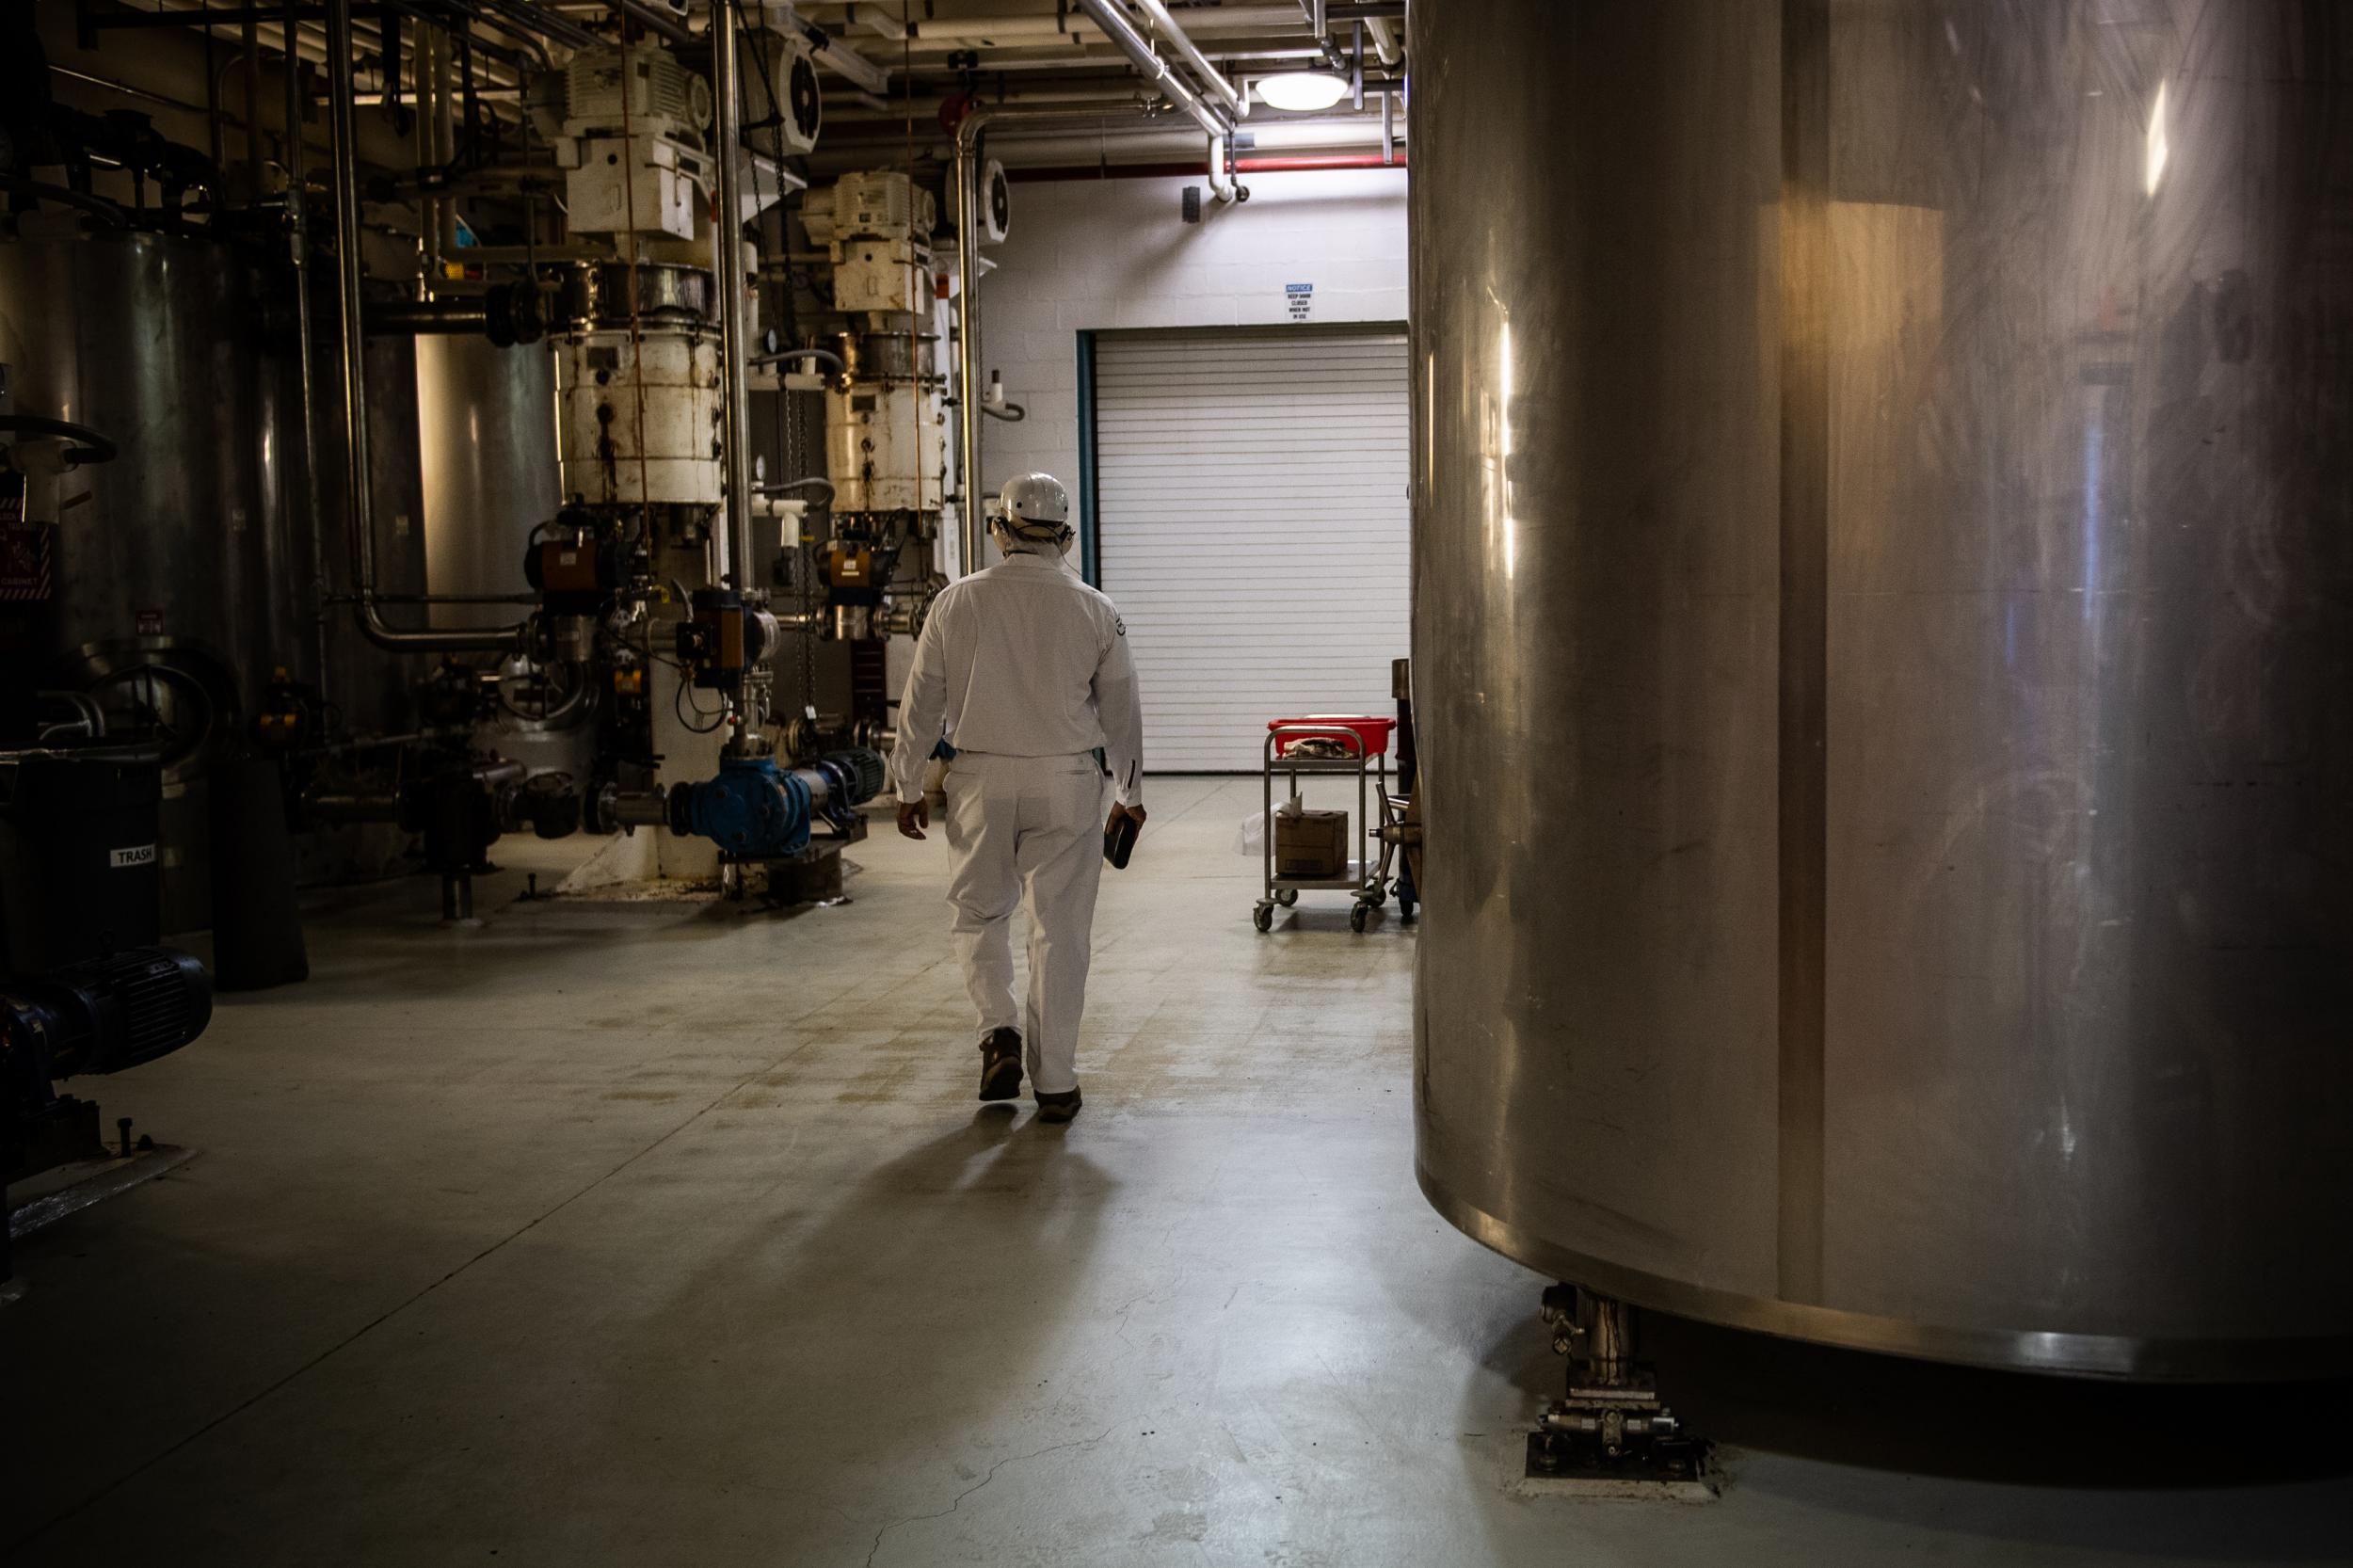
1253, 527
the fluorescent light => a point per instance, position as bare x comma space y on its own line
1300, 91
2158, 147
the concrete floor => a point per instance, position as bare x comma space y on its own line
642, 1235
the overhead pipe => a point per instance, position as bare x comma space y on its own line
660, 23
947, 31
343, 136
1210, 74
540, 20
1316, 15
1107, 15
843, 61
734, 331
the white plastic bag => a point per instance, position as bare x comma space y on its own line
1250, 838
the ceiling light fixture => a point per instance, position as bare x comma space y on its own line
1300, 91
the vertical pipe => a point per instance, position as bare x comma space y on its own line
428, 207
734, 349
213, 140
359, 503
444, 139
250, 38
299, 256
968, 350
1221, 180
343, 136
966, 195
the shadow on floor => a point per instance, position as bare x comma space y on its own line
938, 1282
2226, 1473
1886, 1413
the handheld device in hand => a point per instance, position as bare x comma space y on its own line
1119, 841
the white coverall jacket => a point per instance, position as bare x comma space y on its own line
1024, 670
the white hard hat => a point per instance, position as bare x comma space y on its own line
1036, 510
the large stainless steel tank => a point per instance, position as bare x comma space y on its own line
1884, 648
159, 344
183, 574
486, 418
179, 564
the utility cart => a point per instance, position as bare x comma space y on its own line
1362, 752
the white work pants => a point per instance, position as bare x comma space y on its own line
1033, 823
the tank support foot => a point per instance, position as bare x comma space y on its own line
1611, 1428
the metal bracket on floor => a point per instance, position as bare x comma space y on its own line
1613, 1428
813, 877
70, 1188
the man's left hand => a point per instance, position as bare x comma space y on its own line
913, 816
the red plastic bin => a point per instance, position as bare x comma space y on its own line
1372, 732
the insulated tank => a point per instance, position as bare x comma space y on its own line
1884, 649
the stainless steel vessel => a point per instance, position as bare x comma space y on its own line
183, 574
486, 419
159, 344
1884, 631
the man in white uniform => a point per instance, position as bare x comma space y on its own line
1024, 670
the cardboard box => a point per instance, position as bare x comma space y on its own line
1312, 844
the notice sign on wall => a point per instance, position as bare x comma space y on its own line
1300, 297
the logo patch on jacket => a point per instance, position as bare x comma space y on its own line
1119, 626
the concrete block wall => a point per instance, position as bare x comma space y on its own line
1092, 255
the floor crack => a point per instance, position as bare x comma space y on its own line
1014, 1458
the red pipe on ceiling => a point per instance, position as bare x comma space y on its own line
1301, 165
1328, 160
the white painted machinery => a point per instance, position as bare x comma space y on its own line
876, 228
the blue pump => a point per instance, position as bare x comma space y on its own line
755, 811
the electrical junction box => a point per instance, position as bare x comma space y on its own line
635, 184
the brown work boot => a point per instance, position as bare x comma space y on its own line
1000, 1065
1057, 1109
